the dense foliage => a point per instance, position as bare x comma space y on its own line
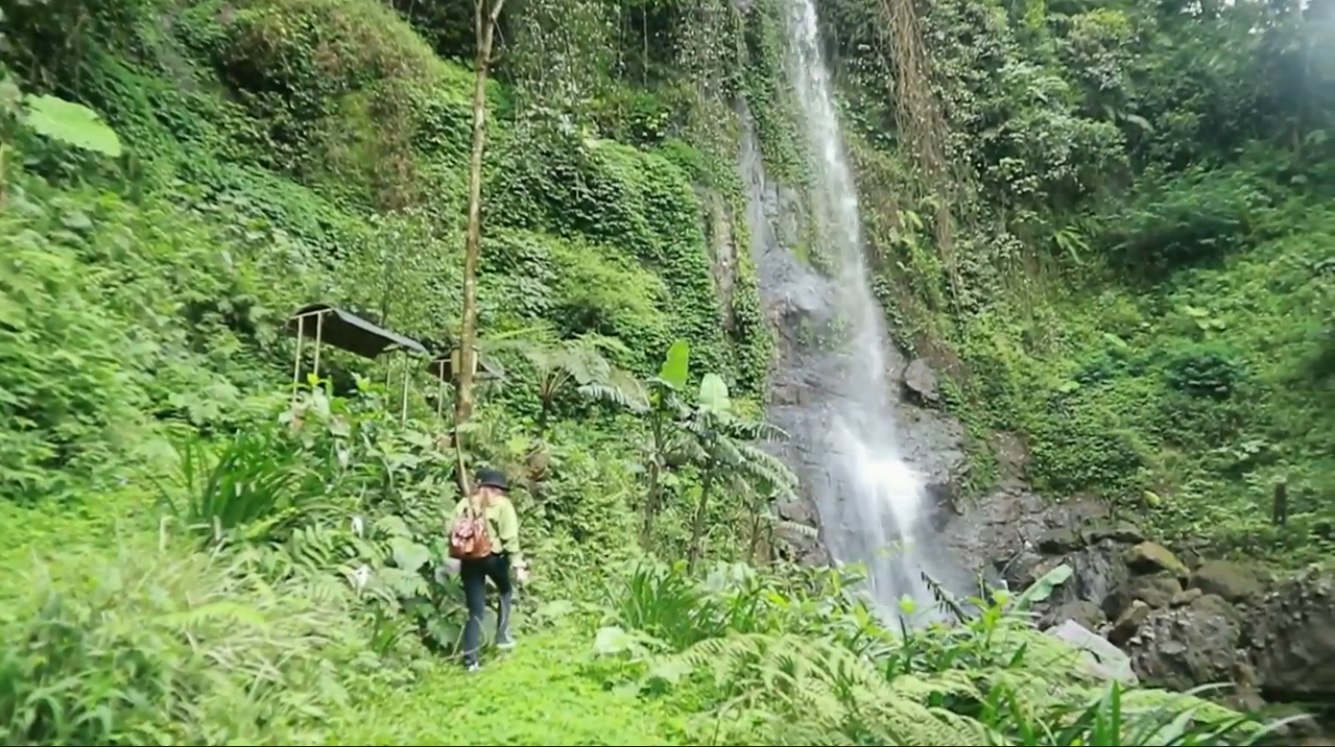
1125, 262
1110, 223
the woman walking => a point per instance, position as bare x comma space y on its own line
485, 539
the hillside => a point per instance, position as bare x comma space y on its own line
1112, 246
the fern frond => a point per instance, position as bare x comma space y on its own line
804, 691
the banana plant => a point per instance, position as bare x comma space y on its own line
725, 448
664, 409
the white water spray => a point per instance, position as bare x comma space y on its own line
873, 507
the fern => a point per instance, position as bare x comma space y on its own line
817, 692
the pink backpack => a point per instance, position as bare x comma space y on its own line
469, 539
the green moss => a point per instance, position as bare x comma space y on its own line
1202, 391
770, 96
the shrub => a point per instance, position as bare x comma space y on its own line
140, 646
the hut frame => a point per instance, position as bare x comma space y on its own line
445, 366
347, 331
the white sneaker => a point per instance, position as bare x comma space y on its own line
474, 667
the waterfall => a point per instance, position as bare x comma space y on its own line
873, 506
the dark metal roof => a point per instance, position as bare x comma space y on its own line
347, 331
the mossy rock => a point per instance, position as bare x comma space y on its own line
1232, 581
1154, 589
1152, 557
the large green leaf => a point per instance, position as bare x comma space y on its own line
72, 124
676, 365
1043, 588
714, 394
409, 555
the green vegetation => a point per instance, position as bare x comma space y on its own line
199, 554
1111, 226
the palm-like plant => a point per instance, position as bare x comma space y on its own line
579, 365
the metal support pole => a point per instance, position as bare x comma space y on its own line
296, 366
403, 416
319, 337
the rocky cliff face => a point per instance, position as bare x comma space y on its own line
1180, 622
797, 304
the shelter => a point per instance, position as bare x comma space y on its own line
347, 331
445, 365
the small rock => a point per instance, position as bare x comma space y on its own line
1152, 557
1060, 540
920, 382
1129, 623
1123, 531
1232, 581
1185, 597
1156, 590
1082, 611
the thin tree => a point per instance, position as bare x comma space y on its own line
485, 15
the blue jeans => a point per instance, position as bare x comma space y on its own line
475, 574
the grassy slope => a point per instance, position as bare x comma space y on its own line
534, 695
1083, 374
1093, 375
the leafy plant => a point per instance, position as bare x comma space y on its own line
70, 124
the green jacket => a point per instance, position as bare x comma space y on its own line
502, 525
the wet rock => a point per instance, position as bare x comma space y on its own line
1004, 529
1155, 590
1292, 637
932, 443
1060, 540
1185, 597
785, 393
1096, 571
1121, 531
796, 543
1232, 581
800, 511
1088, 614
1129, 622
1012, 460
1022, 537
1099, 658
1152, 557
920, 384
1180, 648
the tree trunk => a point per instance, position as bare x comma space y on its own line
653, 496
698, 523
485, 15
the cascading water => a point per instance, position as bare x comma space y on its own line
873, 507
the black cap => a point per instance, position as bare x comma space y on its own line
492, 478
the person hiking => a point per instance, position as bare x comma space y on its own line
485, 539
